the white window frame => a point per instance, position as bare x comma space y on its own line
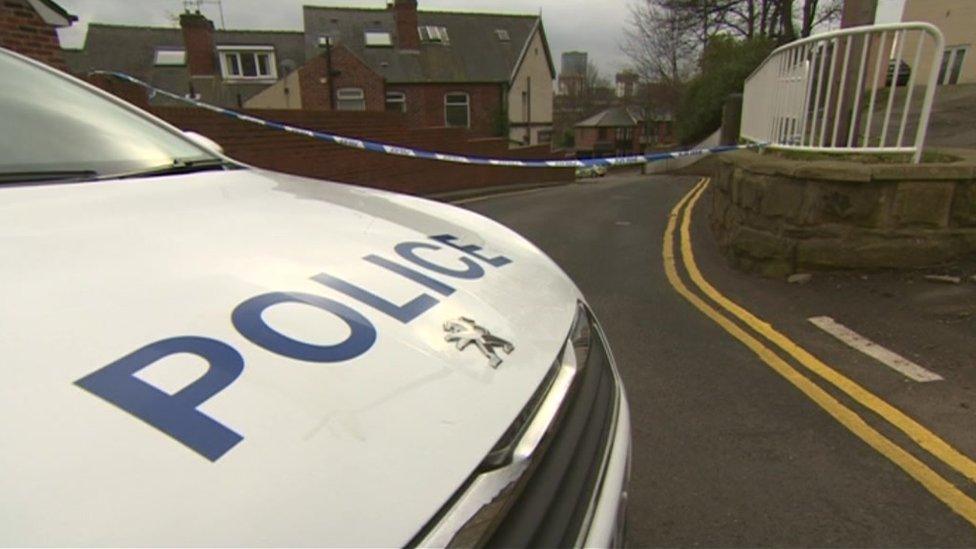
352, 94
396, 97
434, 34
953, 52
227, 51
181, 52
377, 39
503, 35
467, 104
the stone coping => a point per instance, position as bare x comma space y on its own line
855, 172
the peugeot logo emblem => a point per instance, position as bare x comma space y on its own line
464, 331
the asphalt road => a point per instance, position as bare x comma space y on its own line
726, 451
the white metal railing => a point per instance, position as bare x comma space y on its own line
800, 97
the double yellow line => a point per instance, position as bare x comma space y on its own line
932, 481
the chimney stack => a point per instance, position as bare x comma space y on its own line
199, 43
405, 14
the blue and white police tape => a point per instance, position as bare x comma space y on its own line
398, 150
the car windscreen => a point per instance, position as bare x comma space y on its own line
50, 125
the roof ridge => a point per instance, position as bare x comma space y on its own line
277, 31
442, 12
148, 27
117, 25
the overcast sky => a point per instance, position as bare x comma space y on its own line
594, 26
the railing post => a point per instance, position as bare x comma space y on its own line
923, 121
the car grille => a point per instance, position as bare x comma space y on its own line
552, 508
547, 499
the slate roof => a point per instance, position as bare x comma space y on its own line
474, 54
131, 50
615, 117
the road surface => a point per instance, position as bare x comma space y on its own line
728, 450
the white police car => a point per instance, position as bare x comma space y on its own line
196, 352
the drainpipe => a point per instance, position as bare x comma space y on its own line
528, 110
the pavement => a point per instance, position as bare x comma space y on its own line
751, 425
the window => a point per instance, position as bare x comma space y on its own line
625, 134
951, 68
502, 35
545, 136
378, 39
350, 99
248, 62
396, 102
170, 58
434, 34
457, 111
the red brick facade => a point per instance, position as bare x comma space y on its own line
354, 73
607, 140
23, 31
424, 102
425, 105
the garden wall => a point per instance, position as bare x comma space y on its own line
777, 216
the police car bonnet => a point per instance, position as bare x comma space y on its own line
224, 357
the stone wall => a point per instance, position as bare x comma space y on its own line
776, 216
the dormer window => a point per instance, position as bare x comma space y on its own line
434, 34
502, 35
174, 57
378, 39
248, 62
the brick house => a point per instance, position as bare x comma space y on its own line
491, 73
614, 131
30, 27
218, 66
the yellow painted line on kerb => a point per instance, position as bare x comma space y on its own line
922, 436
938, 486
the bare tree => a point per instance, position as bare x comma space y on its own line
658, 43
784, 20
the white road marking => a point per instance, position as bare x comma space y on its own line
889, 358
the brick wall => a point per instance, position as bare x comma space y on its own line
586, 138
133, 93
199, 42
354, 74
23, 31
425, 105
299, 155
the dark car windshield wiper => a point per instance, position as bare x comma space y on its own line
41, 176
178, 166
